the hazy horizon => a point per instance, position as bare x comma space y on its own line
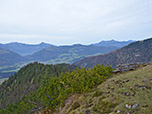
74, 22
65, 44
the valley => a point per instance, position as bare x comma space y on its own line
15, 55
7, 71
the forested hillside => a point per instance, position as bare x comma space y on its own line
28, 79
140, 51
55, 88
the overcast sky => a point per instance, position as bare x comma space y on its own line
74, 21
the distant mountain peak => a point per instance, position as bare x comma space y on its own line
25, 49
134, 52
113, 43
14, 43
42, 43
77, 45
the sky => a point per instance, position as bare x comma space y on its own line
61, 22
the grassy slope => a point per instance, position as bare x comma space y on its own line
134, 87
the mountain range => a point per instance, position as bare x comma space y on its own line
52, 54
140, 51
114, 43
19, 54
24, 49
68, 54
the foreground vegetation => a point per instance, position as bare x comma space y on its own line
53, 91
127, 93
27, 80
82, 91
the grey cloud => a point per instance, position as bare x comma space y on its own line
79, 20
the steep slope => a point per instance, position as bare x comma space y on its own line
140, 51
114, 43
24, 49
8, 57
68, 54
28, 79
127, 93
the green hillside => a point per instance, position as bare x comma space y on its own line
127, 93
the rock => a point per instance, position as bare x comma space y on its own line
128, 106
135, 106
142, 86
118, 111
